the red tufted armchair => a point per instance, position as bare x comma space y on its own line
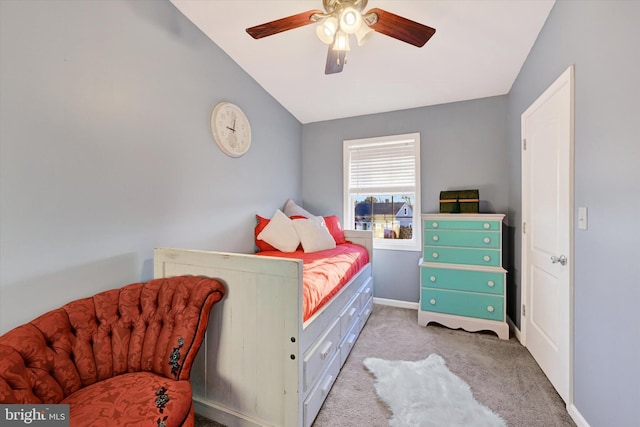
121, 357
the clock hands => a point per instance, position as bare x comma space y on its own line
233, 129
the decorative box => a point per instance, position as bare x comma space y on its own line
460, 201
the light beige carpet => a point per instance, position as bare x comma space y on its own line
502, 374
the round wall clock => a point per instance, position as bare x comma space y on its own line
231, 129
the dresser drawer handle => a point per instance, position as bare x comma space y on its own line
435, 254
491, 283
486, 258
486, 225
434, 225
432, 278
432, 301
490, 308
436, 238
486, 240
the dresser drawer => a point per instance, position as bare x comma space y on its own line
473, 239
449, 224
487, 282
462, 304
490, 257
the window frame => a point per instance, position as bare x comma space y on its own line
415, 243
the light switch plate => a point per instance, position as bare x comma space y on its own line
582, 218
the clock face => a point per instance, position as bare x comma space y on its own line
231, 129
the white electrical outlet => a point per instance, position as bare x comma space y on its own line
582, 218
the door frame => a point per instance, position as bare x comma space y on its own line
567, 77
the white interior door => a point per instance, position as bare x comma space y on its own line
547, 199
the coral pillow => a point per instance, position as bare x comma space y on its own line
313, 234
280, 233
333, 225
261, 244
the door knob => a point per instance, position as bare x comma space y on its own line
561, 259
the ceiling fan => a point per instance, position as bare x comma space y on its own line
343, 18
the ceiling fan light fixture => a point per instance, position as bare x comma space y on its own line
350, 19
341, 41
363, 34
327, 30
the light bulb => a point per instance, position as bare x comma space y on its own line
350, 20
327, 29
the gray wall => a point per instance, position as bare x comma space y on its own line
601, 39
106, 150
462, 145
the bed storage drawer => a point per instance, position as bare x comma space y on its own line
349, 315
366, 312
319, 356
366, 294
349, 341
316, 397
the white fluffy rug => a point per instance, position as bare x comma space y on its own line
426, 394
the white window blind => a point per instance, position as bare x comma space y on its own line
384, 173
382, 168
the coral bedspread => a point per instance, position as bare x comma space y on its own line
325, 272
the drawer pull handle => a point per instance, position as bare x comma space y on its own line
352, 339
325, 350
432, 301
436, 238
486, 258
491, 283
486, 225
327, 384
490, 309
435, 254
435, 225
432, 278
486, 240
352, 312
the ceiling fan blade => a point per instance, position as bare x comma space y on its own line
401, 28
283, 24
335, 61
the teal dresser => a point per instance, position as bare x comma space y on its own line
462, 282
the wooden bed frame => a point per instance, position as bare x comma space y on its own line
260, 364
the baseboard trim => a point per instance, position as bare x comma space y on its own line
576, 416
396, 303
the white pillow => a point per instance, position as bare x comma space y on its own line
280, 233
292, 209
314, 234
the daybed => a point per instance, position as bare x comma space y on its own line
121, 357
268, 364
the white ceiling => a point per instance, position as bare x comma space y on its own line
477, 51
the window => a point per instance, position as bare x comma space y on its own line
382, 189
